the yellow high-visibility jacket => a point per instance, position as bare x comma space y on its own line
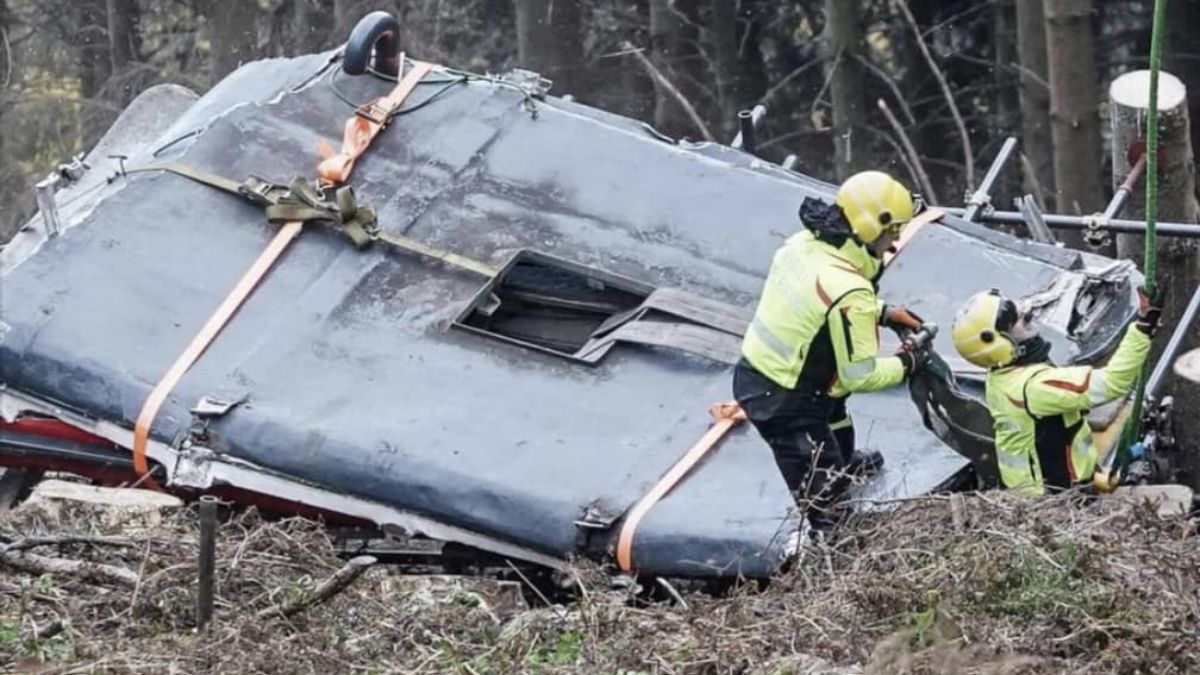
1039, 412
816, 325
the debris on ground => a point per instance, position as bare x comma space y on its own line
988, 583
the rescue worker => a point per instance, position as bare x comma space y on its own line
1039, 410
814, 337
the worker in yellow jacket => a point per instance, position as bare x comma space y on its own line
814, 338
1039, 410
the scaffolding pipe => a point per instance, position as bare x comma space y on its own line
1061, 222
1122, 196
1182, 330
982, 197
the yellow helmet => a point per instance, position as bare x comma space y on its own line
982, 330
873, 203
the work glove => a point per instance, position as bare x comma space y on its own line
897, 318
913, 360
1149, 310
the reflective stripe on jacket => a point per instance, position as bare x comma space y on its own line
1039, 411
817, 300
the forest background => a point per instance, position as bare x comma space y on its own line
847, 83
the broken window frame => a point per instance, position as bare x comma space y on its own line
588, 354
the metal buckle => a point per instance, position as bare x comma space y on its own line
258, 190
374, 112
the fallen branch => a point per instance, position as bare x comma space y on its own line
92, 571
914, 160
968, 155
670, 88
336, 583
33, 542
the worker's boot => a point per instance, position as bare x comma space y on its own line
864, 463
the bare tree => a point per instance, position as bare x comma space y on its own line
1036, 142
844, 40
550, 40
233, 35
124, 48
90, 38
1007, 91
1074, 107
723, 28
675, 46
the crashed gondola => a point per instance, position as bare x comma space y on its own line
535, 349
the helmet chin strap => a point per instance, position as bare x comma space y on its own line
1033, 349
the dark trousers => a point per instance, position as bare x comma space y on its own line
796, 424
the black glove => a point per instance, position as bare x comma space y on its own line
913, 360
1149, 310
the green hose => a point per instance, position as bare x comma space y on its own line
1150, 263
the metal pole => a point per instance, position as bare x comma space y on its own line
1182, 331
748, 121
207, 562
1061, 222
1122, 196
982, 197
47, 205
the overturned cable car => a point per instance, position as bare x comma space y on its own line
502, 344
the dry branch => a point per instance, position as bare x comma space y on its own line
878, 72
34, 542
914, 160
968, 154
92, 571
671, 89
336, 583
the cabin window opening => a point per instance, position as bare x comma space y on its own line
551, 305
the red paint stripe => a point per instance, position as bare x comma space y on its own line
1070, 386
1019, 404
50, 428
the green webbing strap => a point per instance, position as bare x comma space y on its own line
1150, 262
307, 201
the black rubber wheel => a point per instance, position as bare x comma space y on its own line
375, 34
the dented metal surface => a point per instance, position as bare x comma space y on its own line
353, 389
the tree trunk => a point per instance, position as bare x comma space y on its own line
1074, 108
95, 62
675, 48
1036, 143
1178, 259
1182, 46
550, 41
844, 40
7, 76
233, 35
924, 96
1007, 105
722, 26
124, 48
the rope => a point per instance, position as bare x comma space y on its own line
1150, 261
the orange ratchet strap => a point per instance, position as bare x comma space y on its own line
366, 124
360, 130
247, 284
922, 219
727, 416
